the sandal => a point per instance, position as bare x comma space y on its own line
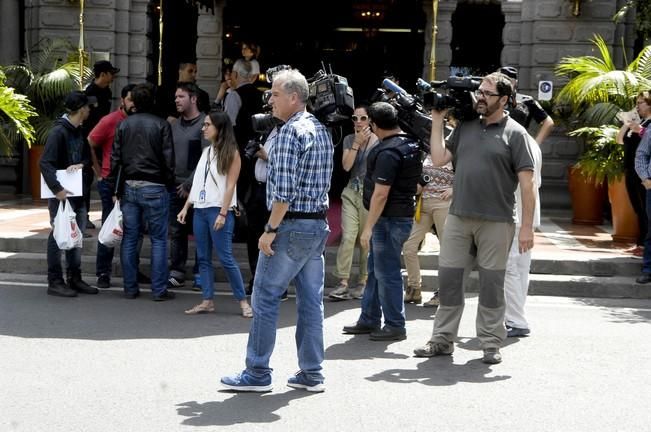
247, 312
200, 309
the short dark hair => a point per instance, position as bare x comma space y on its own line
126, 89
189, 87
502, 83
384, 115
142, 96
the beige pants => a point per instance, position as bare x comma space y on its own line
432, 211
469, 240
353, 218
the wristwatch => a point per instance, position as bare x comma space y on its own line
269, 229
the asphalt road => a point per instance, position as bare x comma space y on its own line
103, 363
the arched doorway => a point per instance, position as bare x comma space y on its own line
476, 37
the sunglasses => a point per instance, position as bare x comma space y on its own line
359, 118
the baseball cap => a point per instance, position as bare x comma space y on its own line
509, 71
104, 66
78, 99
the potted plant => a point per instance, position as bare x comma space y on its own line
596, 92
45, 77
15, 113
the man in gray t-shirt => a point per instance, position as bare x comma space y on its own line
491, 157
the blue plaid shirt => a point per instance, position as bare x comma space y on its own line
300, 165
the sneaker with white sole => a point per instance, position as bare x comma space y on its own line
431, 349
301, 381
245, 382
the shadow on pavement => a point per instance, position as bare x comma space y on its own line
440, 371
620, 310
240, 408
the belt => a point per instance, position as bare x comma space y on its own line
304, 215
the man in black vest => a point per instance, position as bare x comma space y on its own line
394, 168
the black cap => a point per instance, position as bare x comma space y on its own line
509, 71
104, 66
77, 100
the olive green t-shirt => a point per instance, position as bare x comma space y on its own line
486, 161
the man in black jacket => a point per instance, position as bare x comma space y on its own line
66, 149
142, 163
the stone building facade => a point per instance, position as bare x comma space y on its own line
535, 36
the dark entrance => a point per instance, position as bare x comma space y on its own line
359, 40
476, 38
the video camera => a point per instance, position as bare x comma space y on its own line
412, 117
331, 98
458, 98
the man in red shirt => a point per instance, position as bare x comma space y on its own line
101, 137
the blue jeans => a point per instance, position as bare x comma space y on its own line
298, 247
150, 203
383, 293
73, 256
646, 260
104, 254
205, 236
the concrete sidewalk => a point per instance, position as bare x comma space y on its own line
572, 260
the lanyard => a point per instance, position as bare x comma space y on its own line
206, 170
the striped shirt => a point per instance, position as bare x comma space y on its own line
300, 165
643, 158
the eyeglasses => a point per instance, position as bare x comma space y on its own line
485, 94
359, 118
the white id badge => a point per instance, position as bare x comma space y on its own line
202, 196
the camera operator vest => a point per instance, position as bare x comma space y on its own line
406, 153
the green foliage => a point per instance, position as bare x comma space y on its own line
595, 93
603, 158
15, 110
46, 78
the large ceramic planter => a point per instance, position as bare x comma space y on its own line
587, 199
35, 153
625, 225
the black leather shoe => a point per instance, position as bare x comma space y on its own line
389, 334
132, 296
60, 289
644, 279
104, 281
166, 295
358, 328
80, 286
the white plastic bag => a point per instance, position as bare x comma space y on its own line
66, 231
111, 233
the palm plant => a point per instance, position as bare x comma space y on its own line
597, 90
595, 93
15, 114
45, 78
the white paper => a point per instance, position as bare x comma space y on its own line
70, 181
629, 116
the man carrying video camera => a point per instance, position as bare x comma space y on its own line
490, 156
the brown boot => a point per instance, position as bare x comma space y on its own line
412, 295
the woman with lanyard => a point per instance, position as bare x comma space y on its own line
353, 213
213, 194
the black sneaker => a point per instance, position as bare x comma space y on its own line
90, 224
80, 286
131, 295
283, 298
358, 328
104, 281
175, 282
60, 289
165, 295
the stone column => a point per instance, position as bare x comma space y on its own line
137, 42
209, 49
443, 38
512, 35
10, 35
